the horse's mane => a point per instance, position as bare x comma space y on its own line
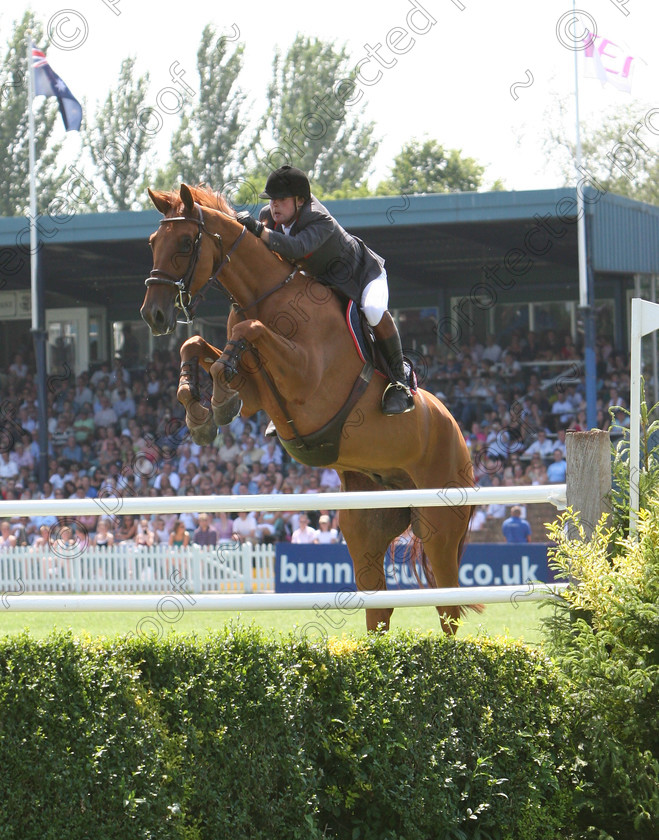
207, 197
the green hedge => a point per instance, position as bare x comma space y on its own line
240, 735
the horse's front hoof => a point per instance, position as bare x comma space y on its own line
223, 413
205, 433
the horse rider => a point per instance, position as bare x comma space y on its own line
297, 227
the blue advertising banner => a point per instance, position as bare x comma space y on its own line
328, 568
504, 564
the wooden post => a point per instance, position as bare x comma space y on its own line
588, 475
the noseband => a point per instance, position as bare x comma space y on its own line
184, 300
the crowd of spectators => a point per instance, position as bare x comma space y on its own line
115, 432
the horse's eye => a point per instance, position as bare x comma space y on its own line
186, 245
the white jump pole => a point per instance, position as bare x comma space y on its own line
645, 319
182, 601
635, 412
118, 502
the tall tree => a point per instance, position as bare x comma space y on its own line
119, 140
306, 119
621, 152
427, 167
206, 146
14, 197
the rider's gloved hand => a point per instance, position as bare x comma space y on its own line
252, 225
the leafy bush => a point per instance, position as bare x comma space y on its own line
605, 640
241, 736
647, 474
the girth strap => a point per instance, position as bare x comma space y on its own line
321, 447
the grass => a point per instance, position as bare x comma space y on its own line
521, 621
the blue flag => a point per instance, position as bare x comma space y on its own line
48, 83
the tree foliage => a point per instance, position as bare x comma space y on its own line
310, 121
14, 166
620, 152
427, 167
119, 140
313, 119
206, 147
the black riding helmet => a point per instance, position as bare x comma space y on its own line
285, 182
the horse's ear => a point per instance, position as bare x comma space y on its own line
161, 200
186, 197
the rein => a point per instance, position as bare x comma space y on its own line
240, 310
184, 300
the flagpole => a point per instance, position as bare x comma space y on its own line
33, 188
581, 215
585, 269
36, 282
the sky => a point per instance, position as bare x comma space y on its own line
477, 75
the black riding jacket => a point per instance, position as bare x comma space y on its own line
320, 246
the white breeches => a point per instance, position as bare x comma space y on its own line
375, 299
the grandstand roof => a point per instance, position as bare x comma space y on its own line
431, 243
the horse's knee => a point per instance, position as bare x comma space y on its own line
193, 346
250, 330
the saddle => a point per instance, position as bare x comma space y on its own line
367, 347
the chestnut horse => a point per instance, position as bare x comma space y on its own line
291, 353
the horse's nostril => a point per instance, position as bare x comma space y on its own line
154, 317
160, 321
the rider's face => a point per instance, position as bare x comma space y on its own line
283, 210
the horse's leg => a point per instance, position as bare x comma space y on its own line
234, 387
442, 531
241, 367
294, 370
196, 352
368, 534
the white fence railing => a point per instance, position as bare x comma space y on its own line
131, 568
131, 571
117, 503
317, 601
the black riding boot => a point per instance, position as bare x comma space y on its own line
397, 397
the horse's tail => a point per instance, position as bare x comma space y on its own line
417, 558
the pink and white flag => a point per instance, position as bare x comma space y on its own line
609, 62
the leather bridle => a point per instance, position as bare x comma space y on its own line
184, 300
